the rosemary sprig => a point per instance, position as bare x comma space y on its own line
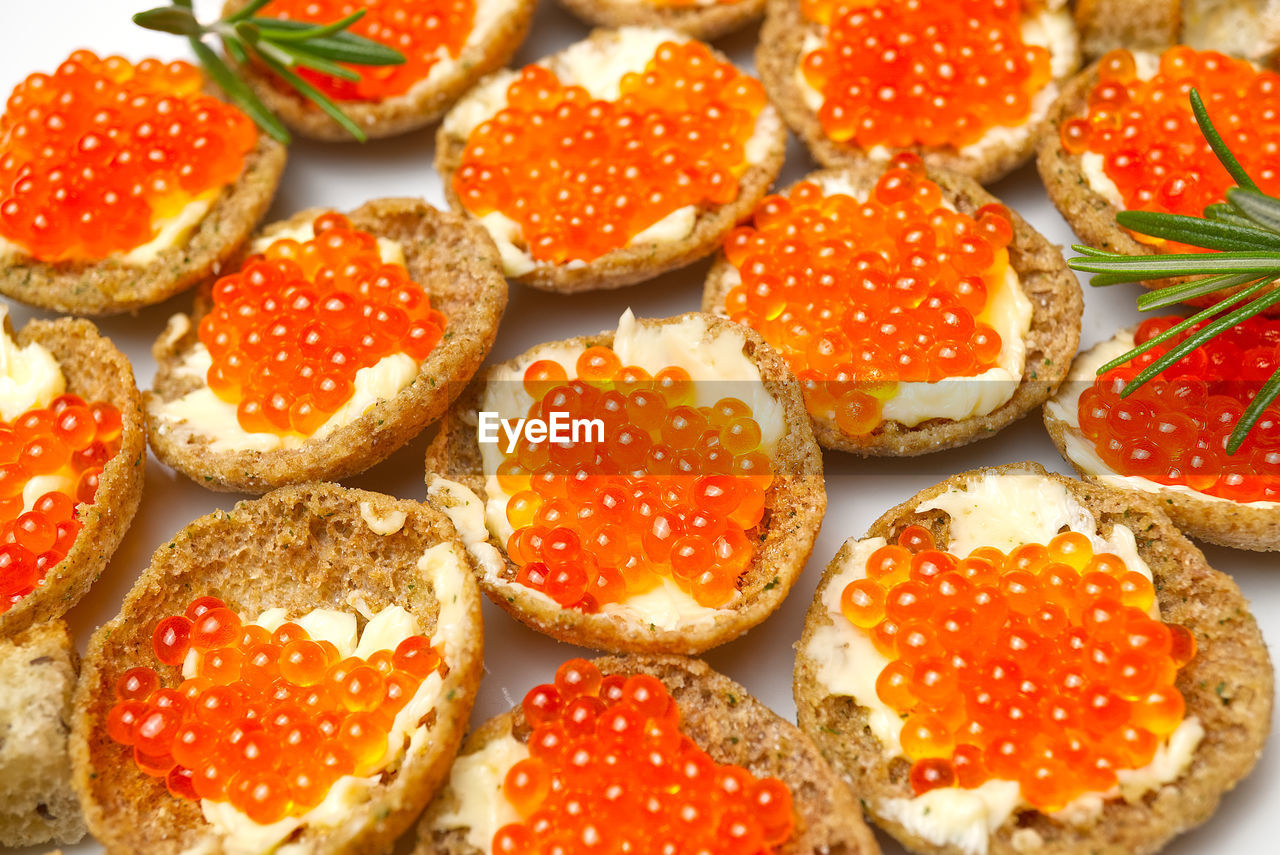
282, 46
1244, 236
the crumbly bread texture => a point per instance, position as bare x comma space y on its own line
793, 514
424, 103
730, 725
110, 286
299, 548
702, 20
1228, 687
1090, 214
96, 371
37, 675
1056, 302
1241, 526
452, 258
1106, 25
637, 261
1248, 28
779, 54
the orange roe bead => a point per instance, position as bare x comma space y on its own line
934, 73
424, 31
674, 137
1037, 674
94, 154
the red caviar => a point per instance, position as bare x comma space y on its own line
675, 137
424, 31
672, 491
1042, 666
1151, 146
265, 726
93, 154
1174, 429
858, 296
923, 72
610, 770
72, 441
290, 330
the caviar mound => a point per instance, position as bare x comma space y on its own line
292, 549
793, 510
700, 20
1230, 664
1240, 525
96, 371
729, 724
779, 56
715, 211
1057, 306
1090, 213
423, 103
455, 263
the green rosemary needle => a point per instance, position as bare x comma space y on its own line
1243, 235
280, 45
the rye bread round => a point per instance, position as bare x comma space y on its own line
708, 20
1228, 686
794, 505
298, 548
730, 725
1057, 305
452, 258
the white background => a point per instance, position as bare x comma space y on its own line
38, 35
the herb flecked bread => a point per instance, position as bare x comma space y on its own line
707, 19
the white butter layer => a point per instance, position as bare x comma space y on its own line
475, 788
1080, 450
29, 376
391, 523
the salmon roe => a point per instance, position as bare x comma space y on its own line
583, 176
271, 719
674, 490
93, 154
288, 332
424, 31
609, 770
933, 73
70, 441
858, 296
1150, 144
1174, 429
1042, 666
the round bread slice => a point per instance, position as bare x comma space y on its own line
1241, 525
702, 19
110, 286
451, 258
1248, 28
1057, 306
1228, 687
96, 371
636, 261
778, 56
299, 548
503, 25
794, 507
730, 725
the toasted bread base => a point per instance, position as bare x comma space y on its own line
1107, 25
1157, 24
299, 548
95, 370
709, 21
1057, 305
734, 728
452, 259
1202, 517
37, 676
778, 55
635, 262
1228, 686
795, 505
418, 107
110, 286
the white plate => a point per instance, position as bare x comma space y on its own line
38, 35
